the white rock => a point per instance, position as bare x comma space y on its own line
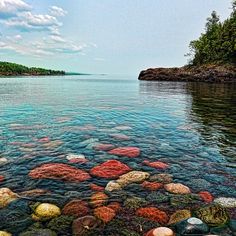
112, 186
227, 202
194, 221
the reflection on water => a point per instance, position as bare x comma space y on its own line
185, 126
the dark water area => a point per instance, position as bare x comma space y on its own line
190, 127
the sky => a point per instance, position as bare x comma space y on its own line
102, 36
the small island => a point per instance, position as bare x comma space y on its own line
213, 55
13, 69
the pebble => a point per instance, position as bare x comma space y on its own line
177, 188
161, 231
226, 202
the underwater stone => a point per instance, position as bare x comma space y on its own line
177, 188
76, 208
192, 226
59, 171
46, 211
213, 215
104, 213
226, 202
110, 169
154, 214
6, 196
84, 225
131, 152
178, 216
162, 178
161, 231
132, 177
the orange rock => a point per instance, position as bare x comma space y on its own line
152, 186
152, 213
105, 214
156, 164
206, 196
76, 208
96, 187
98, 199
115, 206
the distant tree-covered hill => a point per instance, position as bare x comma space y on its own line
217, 45
12, 69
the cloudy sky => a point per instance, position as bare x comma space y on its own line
102, 36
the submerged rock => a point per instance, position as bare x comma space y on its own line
134, 203
46, 211
6, 197
104, 213
156, 164
192, 226
227, 202
110, 169
59, 171
213, 215
98, 199
126, 151
84, 225
113, 186
160, 231
4, 233
76, 208
132, 177
178, 216
162, 178
61, 225
154, 214
177, 188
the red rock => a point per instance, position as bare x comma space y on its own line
125, 151
153, 214
44, 140
116, 206
153, 186
156, 164
206, 196
2, 178
78, 160
104, 213
103, 147
59, 171
96, 188
110, 169
76, 208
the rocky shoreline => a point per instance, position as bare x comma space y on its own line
206, 73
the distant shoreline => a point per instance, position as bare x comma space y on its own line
205, 73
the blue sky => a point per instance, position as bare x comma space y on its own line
102, 36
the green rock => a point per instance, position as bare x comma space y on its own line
187, 200
61, 225
213, 215
39, 232
156, 197
179, 216
134, 203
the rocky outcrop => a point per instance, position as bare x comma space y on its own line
206, 73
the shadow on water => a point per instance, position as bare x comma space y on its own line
211, 106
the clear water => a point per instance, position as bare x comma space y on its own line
192, 127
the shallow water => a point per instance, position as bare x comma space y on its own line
191, 127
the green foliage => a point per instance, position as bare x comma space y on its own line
7, 69
218, 43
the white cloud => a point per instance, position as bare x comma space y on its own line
9, 8
57, 39
57, 11
18, 37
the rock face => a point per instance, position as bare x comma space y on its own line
207, 73
59, 171
110, 169
126, 151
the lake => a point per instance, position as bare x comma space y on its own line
50, 127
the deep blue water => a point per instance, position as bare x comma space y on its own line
191, 127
